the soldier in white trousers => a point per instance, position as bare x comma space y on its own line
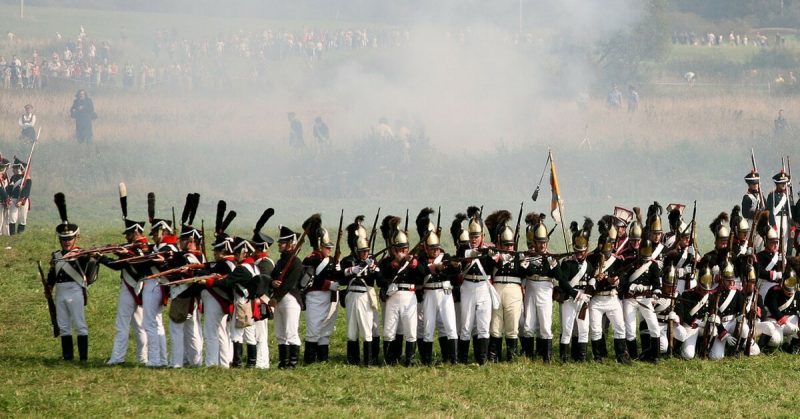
573, 275
5, 199
19, 192
286, 299
640, 287
261, 243
540, 266
129, 304
783, 307
71, 277
359, 273
153, 299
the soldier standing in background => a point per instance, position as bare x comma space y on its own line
286, 299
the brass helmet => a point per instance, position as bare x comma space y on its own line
684, 229
743, 225
720, 228
423, 222
432, 241
535, 229
390, 230
751, 274
772, 235
655, 224
317, 236
635, 232
727, 272
790, 282
497, 225
646, 248
580, 236
675, 216
357, 236
706, 280
475, 226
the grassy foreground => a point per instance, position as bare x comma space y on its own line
36, 383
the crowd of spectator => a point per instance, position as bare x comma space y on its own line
731, 39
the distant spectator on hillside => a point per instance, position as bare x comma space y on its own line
614, 99
82, 111
690, 77
633, 99
27, 122
321, 133
780, 125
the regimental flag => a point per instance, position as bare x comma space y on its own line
555, 202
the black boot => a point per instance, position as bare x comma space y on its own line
655, 349
511, 349
676, 348
411, 350
546, 349
451, 351
294, 356
582, 350
481, 350
368, 356
376, 350
463, 351
527, 346
388, 353
495, 348
352, 352
21, 228
597, 351
67, 351
283, 356
574, 349
12, 229
322, 353
83, 348
645, 341
621, 351
398, 349
632, 348
310, 354
763, 344
236, 362
443, 349
426, 352
252, 355
563, 352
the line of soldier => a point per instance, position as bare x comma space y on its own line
15, 194
736, 298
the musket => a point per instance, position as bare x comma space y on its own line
755, 169
195, 279
374, 232
516, 229
111, 248
338, 252
405, 228
292, 257
791, 202
670, 309
51, 305
27, 176
439, 222
203, 239
178, 270
708, 341
144, 258
174, 225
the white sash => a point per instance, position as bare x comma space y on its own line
638, 272
66, 267
683, 258
728, 300
772, 262
610, 261
786, 305
581, 272
322, 265
699, 305
657, 251
779, 206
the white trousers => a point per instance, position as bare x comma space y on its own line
18, 215
439, 310
788, 330
718, 348
608, 305
321, 316
287, 321
360, 316
476, 310
570, 320
505, 320
537, 320
262, 344
632, 309
766, 328
246, 335
187, 341
3, 220
678, 334
154, 325
689, 349
129, 315
401, 315
215, 333
70, 311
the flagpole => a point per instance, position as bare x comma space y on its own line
558, 202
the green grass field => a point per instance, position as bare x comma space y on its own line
36, 383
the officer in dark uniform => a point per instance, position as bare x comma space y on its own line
779, 206
286, 299
70, 277
752, 199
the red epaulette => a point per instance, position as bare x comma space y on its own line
171, 239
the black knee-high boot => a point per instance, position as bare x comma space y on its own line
283, 356
252, 355
310, 354
463, 351
511, 349
411, 350
67, 351
368, 355
83, 348
322, 353
352, 352
236, 362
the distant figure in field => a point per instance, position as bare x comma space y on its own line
633, 99
780, 125
614, 99
82, 111
26, 123
295, 132
690, 77
321, 133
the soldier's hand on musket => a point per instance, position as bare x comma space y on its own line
272, 302
455, 264
614, 281
21, 202
276, 284
674, 317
